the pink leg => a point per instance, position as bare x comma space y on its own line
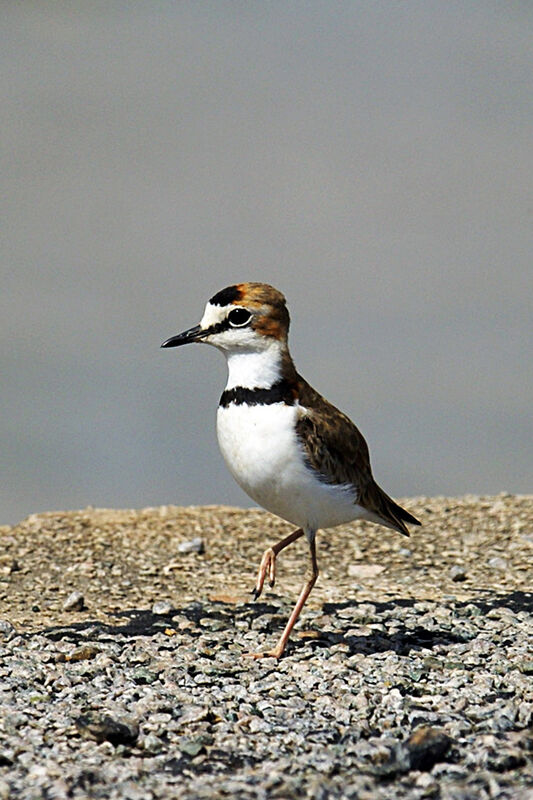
304, 594
268, 562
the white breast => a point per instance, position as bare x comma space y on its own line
262, 451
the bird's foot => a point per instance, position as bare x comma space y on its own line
267, 567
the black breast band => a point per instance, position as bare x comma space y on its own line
280, 392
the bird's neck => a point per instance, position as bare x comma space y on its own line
259, 369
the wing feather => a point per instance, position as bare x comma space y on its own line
337, 450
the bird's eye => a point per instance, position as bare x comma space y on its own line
238, 317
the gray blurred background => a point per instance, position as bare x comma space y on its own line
371, 160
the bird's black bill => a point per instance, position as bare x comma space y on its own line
195, 334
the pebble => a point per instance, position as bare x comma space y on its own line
364, 570
195, 545
458, 573
7, 629
404, 685
162, 608
74, 602
497, 563
105, 728
416, 713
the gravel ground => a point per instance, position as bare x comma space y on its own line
409, 675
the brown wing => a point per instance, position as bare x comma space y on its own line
338, 451
333, 445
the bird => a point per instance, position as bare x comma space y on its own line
294, 453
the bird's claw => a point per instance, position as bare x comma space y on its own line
267, 567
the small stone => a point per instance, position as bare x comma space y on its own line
6, 628
426, 746
458, 573
225, 597
454, 665
162, 608
497, 563
506, 760
430, 662
191, 747
195, 545
151, 744
83, 653
74, 602
192, 713
423, 749
364, 570
143, 676
425, 781
105, 728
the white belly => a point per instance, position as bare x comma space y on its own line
262, 451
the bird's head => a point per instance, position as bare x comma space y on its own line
246, 316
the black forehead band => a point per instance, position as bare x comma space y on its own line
226, 296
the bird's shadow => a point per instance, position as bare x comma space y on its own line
144, 623
403, 640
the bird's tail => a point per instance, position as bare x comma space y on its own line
383, 510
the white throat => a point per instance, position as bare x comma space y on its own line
254, 369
